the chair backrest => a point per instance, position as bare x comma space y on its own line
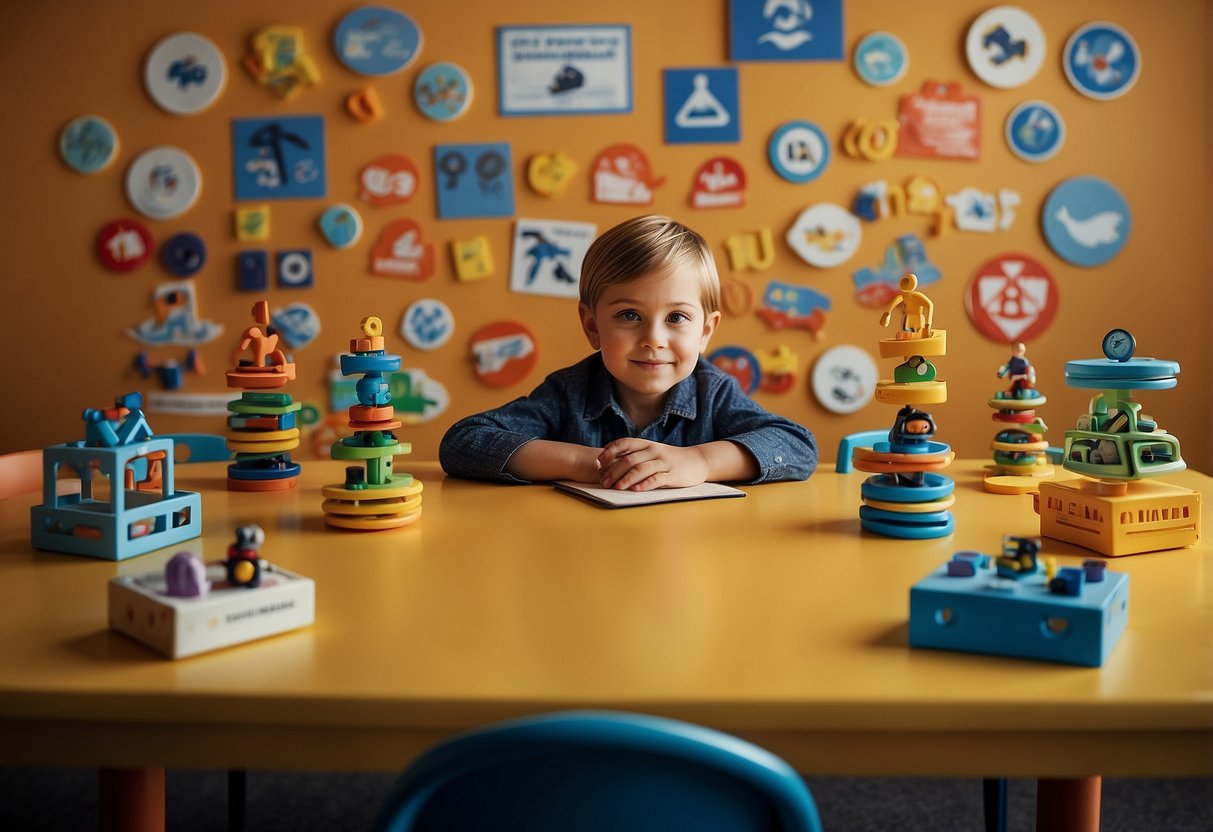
852, 441
20, 471
594, 771
197, 447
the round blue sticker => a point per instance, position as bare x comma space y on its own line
799, 151
443, 91
1101, 60
183, 254
88, 144
1086, 221
341, 225
1035, 131
881, 59
376, 41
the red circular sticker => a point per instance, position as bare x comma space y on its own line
504, 353
124, 245
1011, 298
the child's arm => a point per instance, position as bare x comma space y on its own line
642, 465
545, 459
781, 448
497, 444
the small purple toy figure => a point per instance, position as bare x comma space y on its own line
1020, 373
185, 576
243, 562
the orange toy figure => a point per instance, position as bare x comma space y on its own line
268, 366
917, 310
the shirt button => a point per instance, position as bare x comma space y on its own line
778, 458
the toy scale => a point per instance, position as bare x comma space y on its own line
373, 497
907, 497
1116, 509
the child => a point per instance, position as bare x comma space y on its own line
646, 410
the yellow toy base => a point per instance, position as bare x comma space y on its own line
371, 524
913, 508
1148, 517
1011, 484
936, 344
392, 505
916, 392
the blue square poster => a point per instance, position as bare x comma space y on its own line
474, 180
785, 30
278, 158
701, 106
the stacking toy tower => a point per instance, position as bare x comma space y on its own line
142, 510
906, 497
1119, 510
262, 426
1019, 446
372, 496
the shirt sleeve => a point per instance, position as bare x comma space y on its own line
479, 446
784, 450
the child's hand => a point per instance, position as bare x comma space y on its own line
640, 465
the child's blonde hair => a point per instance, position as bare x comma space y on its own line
643, 246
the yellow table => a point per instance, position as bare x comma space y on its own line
772, 617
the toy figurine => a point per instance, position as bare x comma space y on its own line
1018, 557
917, 310
243, 564
1021, 374
185, 576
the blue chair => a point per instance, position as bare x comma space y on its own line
850, 442
594, 771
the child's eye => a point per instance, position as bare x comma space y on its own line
628, 315
678, 317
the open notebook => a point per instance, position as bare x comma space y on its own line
612, 498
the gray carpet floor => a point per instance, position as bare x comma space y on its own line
66, 799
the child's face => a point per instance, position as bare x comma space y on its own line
650, 331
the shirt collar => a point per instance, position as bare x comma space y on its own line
682, 400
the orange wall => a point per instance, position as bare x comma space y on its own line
64, 315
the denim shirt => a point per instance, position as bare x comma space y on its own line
577, 405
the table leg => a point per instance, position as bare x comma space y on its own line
131, 800
1068, 805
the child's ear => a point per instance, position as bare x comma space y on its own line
589, 325
709, 329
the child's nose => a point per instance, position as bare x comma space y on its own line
654, 336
